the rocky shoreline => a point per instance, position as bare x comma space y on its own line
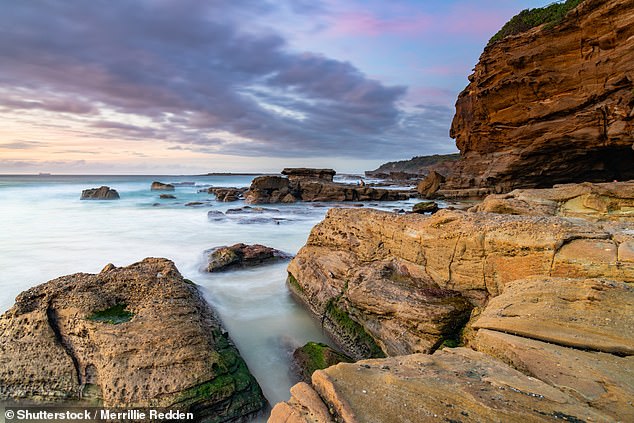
533, 312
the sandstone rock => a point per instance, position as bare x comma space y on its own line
305, 406
102, 193
606, 201
316, 356
242, 255
428, 187
604, 381
405, 283
160, 186
550, 105
308, 173
137, 336
425, 207
455, 385
590, 314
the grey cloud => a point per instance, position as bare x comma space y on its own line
22, 145
197, 68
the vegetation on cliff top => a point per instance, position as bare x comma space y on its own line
550, 15
414, 164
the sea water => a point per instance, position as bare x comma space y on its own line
46, 231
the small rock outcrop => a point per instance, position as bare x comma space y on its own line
425, 207
167, 197
136, 336
227, 194
101, 193
550, 105
314, 185
160, 186
242, 255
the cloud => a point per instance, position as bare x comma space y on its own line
203, 74
22, 145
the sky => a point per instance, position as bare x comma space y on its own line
197, 86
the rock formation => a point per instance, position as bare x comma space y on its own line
227, 194
242, 255
314, 185
160, 186
413, 168
101, 193
425, 207
607, 201
541, 302
136, 336
428, 187
554, 104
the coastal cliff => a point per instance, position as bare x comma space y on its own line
530, 300
553, 104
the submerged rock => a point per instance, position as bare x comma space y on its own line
242, 255
167, 197
160, 186
136, 336
102, 193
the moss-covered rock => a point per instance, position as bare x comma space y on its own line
316, 356
114, 315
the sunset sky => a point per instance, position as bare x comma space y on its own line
184, 86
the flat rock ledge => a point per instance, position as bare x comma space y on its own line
136, 336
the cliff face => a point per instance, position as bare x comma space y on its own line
551, 105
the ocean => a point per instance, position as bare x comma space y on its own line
47, 231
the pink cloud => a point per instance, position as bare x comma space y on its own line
364, 23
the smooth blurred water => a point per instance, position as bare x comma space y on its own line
46, 231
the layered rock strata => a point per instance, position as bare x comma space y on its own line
136, 336
551, 105
542, 302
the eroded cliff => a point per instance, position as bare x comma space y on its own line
550, 105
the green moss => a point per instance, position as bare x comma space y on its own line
318, 356
353, 329
114, 315
550, 15
450, 343
189, 282
294, 284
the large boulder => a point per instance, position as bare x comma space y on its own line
136, 336
550, 105
242, 255
101, 193
428, 187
